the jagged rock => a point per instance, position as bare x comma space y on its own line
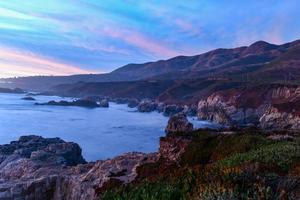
38, 168
179, 123
190, 110
213, 111
171, 148
274, 107
147, 106
29, 98
170, 110
274, 119
104, 103
132, 103
160, 107
80, 103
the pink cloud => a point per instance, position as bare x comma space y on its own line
141, 41
18, 63
187, 27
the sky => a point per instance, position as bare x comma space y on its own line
62, 37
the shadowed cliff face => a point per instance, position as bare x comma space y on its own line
269, 106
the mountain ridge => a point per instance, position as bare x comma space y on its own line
215, 62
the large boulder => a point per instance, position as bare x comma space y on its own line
170, 110
147, 106
179, 123
190, 110
49, 168
47, 150
28, 98
104, 103
160, 107
132, 103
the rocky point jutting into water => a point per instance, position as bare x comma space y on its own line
80, 102
270, 107
50, 168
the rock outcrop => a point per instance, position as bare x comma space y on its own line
270, 107
171, 148
104, 103
170, 110
179, 123
37, 168
147, 106
132, 103
274, 119
28, 98
80, 103
190, 110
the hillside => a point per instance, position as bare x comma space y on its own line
254, 60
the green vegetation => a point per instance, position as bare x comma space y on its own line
280, 154
239, 166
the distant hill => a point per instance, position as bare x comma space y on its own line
260, 58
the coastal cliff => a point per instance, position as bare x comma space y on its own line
50, 168
192, 165
267, 106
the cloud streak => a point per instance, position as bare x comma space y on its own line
139, 40
18, 63
101, 36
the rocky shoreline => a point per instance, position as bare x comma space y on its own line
269, 107
49, 168
272, 107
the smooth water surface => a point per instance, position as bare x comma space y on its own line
101, 132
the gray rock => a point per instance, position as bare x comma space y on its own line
179, 123
170, 110
104, 103
160, 107
147, 106
274, 119
132, 103
55, 170
29, 98
79, 102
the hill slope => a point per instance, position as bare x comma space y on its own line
260, 57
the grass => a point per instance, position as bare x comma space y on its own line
281, 154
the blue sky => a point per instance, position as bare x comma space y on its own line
55, 37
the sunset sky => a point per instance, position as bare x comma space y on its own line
56, 37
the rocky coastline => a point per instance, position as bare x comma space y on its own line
271, 107
51, 169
